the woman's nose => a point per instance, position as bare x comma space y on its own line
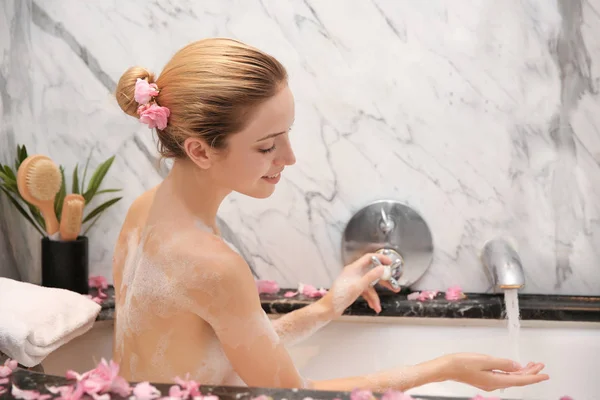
287, 156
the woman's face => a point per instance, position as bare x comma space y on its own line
256, 156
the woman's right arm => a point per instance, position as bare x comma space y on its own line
224, 294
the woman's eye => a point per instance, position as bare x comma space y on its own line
270, 149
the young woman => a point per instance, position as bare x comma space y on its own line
187, 302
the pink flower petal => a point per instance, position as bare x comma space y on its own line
566, 398
358, 394
145, 391
454, 293
267, 286
396, 395
12, 364
175, 392
26, 394
289, 294
98, 282
413, 296
101, 294
154, 116
311, 291
2, 390
427, 295
4, 381
5, 371
144, 91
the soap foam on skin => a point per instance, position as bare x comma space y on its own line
156, 285
293, 332
156, 288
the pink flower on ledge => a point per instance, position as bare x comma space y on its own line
454, 293
423, 296
266, 286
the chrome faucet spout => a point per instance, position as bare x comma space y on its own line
503, 265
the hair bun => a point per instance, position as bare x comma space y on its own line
126, 89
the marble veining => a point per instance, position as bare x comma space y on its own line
480, 115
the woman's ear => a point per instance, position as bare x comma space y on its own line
199, 152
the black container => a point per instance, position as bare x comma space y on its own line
65, 264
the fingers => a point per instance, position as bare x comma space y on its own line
501, 364
372, 276
530, 369
387, 285
370, 295
365, 261
508, 380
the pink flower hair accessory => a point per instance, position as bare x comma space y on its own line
150, 114
144, 91
154, 115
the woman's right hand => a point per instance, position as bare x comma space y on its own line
490, 373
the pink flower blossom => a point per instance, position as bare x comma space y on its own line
28, 394
413, 296
4, 381
454, 293
7, 368
427, 295
311, 291
396, 395
105, 378
67, 392
266, 286
98, 282
144, 91
145, 391
289, 294
358, 394
186, 388
154, 115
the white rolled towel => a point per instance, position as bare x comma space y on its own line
36, 320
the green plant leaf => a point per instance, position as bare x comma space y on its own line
107, 191
100, 209
75, 186
12, 186
96, 179
92, 224
60, 196
87, 162
21, 156
22, 211
9, 172
37, 215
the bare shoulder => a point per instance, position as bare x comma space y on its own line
135, 219
209, 262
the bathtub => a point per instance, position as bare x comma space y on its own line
353, 345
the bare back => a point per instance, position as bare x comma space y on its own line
158, 334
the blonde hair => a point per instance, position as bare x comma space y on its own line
211, 87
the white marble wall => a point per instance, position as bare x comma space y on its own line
482, 115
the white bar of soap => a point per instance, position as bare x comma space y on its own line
387, 273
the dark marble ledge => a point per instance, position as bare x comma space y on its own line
475, 306
28, 380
